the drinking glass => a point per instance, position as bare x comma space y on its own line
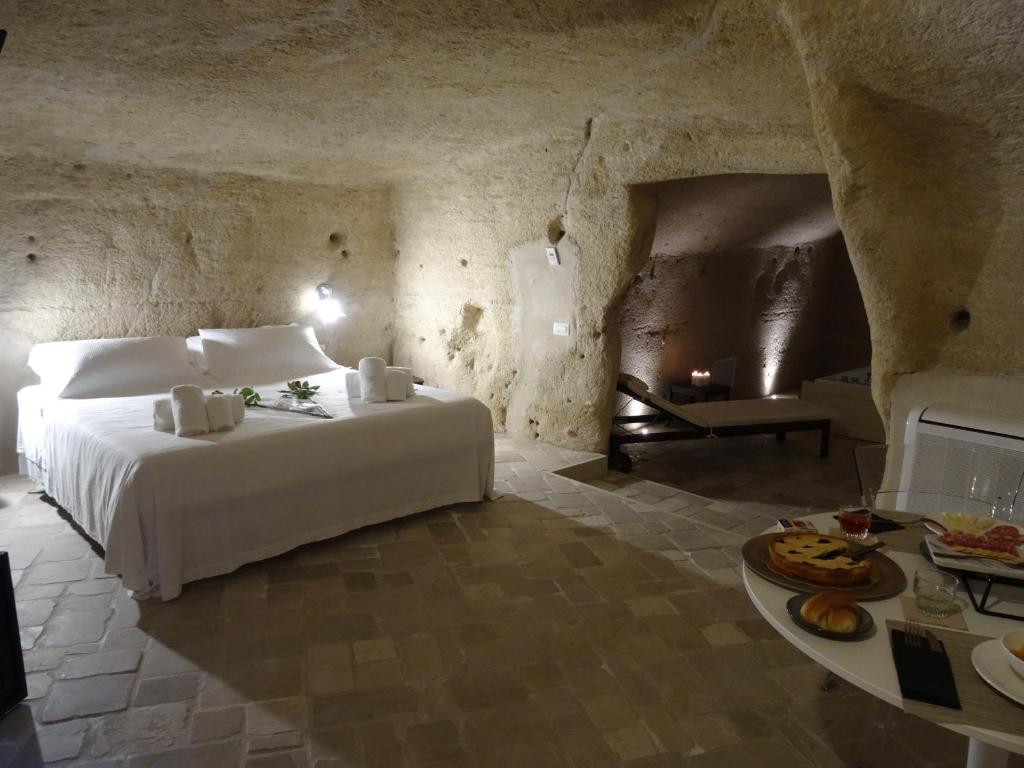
854, 522
935, 592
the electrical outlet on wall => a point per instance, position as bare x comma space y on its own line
552, 256
560, 329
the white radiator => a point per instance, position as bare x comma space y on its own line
953, 457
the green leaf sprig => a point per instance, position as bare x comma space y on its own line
250, 396
300, 390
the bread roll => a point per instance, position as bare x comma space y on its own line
843, 620
833, 611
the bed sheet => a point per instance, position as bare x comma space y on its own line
169, 510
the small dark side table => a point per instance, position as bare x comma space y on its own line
683, 392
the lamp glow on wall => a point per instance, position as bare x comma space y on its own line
328, 308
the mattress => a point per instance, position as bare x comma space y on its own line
742, 413
746, 413
169, 510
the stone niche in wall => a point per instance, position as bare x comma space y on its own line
751, 266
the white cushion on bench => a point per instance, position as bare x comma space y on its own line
741, 413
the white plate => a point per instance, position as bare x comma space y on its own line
990, 661
947, 558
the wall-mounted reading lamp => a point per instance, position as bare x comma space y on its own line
328, 308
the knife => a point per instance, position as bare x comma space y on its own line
863, 551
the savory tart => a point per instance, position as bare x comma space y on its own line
818, 558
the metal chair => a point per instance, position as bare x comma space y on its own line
869, 461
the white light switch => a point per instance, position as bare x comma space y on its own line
560, 329
553, 257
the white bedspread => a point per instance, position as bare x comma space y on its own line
169, 510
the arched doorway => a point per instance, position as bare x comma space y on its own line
751, 266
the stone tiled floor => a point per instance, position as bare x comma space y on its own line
560, 625
755, 470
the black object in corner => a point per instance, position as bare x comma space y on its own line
3, 36
12, 666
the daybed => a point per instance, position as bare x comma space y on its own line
712, 419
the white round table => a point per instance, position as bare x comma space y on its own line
868, 663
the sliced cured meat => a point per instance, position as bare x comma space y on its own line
1004, 533
1001, 547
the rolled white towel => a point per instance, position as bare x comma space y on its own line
237, 408
218, 412
352, 384
373, 380
410, 390
163, 416
398, 384
189, 407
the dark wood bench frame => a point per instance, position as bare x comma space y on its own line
619, 460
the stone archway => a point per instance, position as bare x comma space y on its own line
745, 266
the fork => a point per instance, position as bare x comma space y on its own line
913, 633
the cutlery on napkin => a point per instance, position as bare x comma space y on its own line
923, 668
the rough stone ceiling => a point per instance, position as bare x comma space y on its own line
736, 212
373, 92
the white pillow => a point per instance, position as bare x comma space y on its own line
112, 367
286, 350
196, 355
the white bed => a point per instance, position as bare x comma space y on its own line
170, 510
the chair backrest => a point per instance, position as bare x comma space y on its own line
870, 463
724, 371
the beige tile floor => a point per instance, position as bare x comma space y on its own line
560, 625
755, 469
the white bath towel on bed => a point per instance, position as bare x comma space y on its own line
398, 382
410, 389
163, 416
373, 380
237, 408
218, 412
188, 404
352, 383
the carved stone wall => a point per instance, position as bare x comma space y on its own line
479, 134
91, 252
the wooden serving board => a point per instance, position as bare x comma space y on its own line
887, 580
